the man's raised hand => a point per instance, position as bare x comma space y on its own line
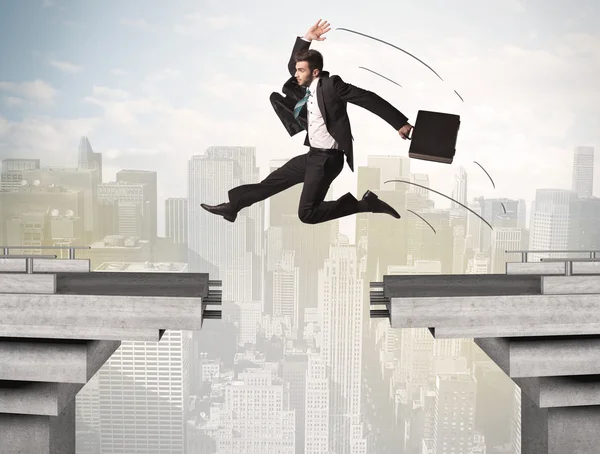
316, 31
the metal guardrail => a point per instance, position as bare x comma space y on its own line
525, 252
71, 249
378, 298
28, 260
214, 298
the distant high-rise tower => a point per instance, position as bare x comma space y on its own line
176, 220
87, 159
551, 221
229, 251
149, 208
460, 189
583, 171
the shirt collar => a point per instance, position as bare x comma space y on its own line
313, 86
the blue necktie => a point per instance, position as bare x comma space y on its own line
300, 104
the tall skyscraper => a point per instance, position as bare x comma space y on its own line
506, 239
87, 158
142, 400
121, 208
295, 375
341, 310
317, 420
230, 251
551, 219
455, 404
176, 220
459, 193
308, 242
583, 171
149, 209
583, 230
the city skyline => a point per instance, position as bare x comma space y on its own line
581, 176
330, 333
143, 91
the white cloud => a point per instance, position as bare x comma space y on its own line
224, 86
515, 6
53, 139
110, 93
116, 153
14, 101
66, 66
37, 90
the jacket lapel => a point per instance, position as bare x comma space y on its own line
320, 101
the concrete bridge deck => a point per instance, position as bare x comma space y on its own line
60, 323
539, 322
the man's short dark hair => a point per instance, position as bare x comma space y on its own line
312, 57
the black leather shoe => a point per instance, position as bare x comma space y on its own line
376, 205
223, 209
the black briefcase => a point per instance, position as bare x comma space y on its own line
434, 137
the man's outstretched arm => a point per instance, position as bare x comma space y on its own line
301, 44
373, 103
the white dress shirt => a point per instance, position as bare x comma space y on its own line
318, 135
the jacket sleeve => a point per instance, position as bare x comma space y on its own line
299, 45
369, 101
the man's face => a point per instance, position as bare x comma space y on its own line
303, 74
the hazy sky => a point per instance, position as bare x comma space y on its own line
153, 82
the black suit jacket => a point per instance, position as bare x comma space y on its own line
333, 94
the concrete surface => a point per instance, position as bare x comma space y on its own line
565, 285
27, 283
81, 332
133, 284
516, 330
36, 398
563, 430
494, 310
544, 356
132, 312
29, 434
52, 360
51, 344
453, 285
546, 392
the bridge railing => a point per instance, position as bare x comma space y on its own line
71, 249
524, 253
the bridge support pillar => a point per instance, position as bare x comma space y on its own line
559, 430
20, 434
